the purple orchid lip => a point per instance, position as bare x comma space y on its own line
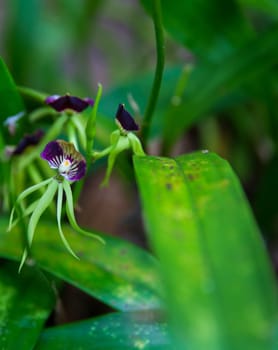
28, 140
125, 120
63, 156
61, 103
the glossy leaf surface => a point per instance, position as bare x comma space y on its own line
117, 273
113, 331
221, 292
26, 302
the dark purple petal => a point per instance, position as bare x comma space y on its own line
60, 103
28, 140
78, 173
125, 120
53, 153
51, 99
89, 100
63, 156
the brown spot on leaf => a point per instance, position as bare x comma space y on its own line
169, 187
192, 177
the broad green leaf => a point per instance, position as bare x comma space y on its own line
211, 29
220, 289
26, 302
117, 273
115, 331
209, 83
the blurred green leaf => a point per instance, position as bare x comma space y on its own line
210, 29
220, 289
118, 273
266, 199
210, 83
8, 94
26, 302
138, 90
113, 331
269, 7
20, 40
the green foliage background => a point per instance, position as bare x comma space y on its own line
207, 281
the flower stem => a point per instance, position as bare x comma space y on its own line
159, 36
91, 125
32, 94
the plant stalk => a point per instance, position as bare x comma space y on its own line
160, 57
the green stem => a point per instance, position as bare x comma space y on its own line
159, 36
41, 113
90, 132
97, 155
32, 94
175, 101
91, 126
71, 134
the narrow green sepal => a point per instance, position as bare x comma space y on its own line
135, 144
43, 203
71, 216
79, 127
59, 214
23, 195
114, 137
121, 144
25, 212
91, 125
71, 133
23, 259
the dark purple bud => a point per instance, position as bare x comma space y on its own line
28, 140
63, 156
125, 120
61, 103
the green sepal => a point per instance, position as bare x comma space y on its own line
23, 259
29, 210
119, 143
71, 216
43, 203
79, 127
59, 214
91, 124
114, 137
135, 144
23, 195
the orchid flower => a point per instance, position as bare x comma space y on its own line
62, 103
70, 166
71, 107
120, 140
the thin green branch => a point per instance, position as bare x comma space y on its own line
91, 125
159, 36
32, 94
